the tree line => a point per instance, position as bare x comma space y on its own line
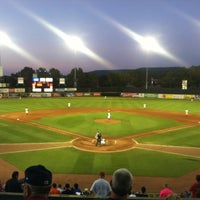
163, 78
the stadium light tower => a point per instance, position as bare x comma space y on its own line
4, 41
149, 44
76, 44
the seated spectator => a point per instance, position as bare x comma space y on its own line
142, 193
37, 183
101, 187
185, 194
86, 192
67, 189
54, 189
13, 184
121, 183
60, 188
195, 188
165, 192
1, 187
77, 190
173, 197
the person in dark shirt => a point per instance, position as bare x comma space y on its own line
77, 190
13, 184
37, 183
195, 188
67, 189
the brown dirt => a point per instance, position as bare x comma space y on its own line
153, 184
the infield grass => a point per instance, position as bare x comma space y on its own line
128, 124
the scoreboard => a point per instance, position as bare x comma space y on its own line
42, 85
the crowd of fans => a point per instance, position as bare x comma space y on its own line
37, 185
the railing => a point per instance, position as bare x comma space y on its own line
19, 196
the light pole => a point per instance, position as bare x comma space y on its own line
76, 44
148, 44
146, 81
75, 81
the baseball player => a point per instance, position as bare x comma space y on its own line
26, 111
108, 115
98, 137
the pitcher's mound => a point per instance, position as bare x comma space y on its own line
107, 121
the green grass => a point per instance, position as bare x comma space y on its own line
17, 105
16, 132
187, 137
129, 124
140, 162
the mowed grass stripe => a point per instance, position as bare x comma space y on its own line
140, 162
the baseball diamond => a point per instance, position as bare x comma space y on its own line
113, 144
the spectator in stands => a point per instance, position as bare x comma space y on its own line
1, 187
13, 184
60, 188
54, 189
101, 187
77, 190
173, 197
38, 181
165, 192
121, 183
195, 188
142, 193
67, 189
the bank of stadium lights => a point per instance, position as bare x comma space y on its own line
75, 43
5, 40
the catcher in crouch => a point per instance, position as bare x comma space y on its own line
98, 137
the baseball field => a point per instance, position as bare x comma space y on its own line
159, 143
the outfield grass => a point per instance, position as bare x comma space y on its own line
185, 137
17, 105
141, 162
14, 132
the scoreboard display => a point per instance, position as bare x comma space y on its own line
42, 85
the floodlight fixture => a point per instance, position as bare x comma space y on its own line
5, 39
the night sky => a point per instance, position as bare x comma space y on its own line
111, 29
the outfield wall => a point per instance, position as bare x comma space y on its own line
19, 92
127, 95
